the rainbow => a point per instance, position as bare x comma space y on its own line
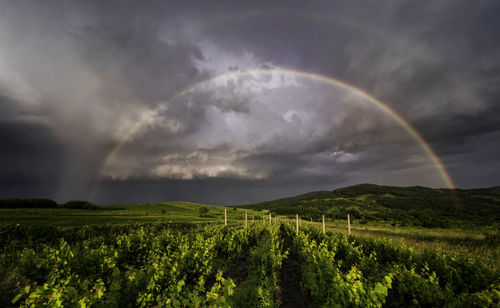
313, 76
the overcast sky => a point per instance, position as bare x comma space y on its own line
77, 79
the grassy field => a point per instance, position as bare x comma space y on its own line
124, 214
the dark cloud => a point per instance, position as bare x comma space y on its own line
79, 78
210, 191
30, 154
135, 63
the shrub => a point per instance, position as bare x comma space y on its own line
79, 205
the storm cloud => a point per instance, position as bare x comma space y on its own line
107, 100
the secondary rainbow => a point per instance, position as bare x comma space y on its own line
335, 82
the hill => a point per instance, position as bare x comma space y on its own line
416, 205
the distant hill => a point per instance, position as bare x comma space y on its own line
415, 205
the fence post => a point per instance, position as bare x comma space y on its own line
270, 219
246, 224
323, 224
349, 224
225, 217
297, 223
253, 219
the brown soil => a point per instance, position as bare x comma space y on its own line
289, 290
238, 270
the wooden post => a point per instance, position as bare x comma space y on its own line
297, 223
246, 223
270, 219
225, 217
253, 219
349, 224
323, 224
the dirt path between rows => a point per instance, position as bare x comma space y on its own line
289, 291
238, 270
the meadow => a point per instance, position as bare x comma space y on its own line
120, 214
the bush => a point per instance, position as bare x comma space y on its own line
203, 210
79, 205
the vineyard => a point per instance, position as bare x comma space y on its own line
188, 265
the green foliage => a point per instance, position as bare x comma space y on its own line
143, 267
183, 265
259, 289
346, 271
80, 205
203, 210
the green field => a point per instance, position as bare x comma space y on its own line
180, 254
479, 244
123, 214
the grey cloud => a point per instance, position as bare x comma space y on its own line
439, 74
138, 60
280, 135
93, 70
79, 75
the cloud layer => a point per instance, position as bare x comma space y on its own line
76, 77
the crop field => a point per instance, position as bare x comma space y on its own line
180, 255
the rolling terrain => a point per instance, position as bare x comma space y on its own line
409, 246
403, 206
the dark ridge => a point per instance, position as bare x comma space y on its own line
415, 205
